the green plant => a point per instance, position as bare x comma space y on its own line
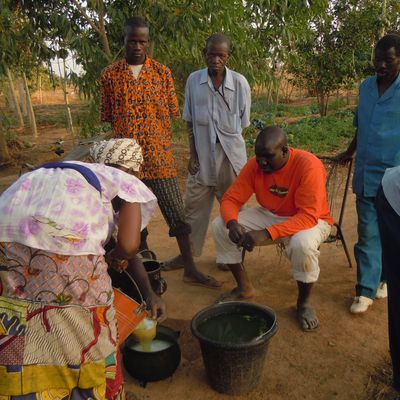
326, 135
321, 135
88, 120
179, 133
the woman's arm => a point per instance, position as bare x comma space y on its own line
128, 239
154, 303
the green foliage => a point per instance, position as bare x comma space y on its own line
259, 31
315, 134
337, 51
322, 135
89, 122
22, 47
179, 132
282, 110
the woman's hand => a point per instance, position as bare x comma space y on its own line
119, 264
157, 307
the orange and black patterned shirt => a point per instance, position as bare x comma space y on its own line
142, 108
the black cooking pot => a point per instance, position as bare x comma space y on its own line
153, 366
153, 269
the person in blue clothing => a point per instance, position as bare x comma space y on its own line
388, 209
377, 147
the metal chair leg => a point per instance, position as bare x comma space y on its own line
341, 238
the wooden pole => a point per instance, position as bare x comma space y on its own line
30, 107
67, 107
40, 88
4, 153
21, 123
22, 97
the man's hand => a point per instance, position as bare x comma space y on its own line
236, 231
157, 307
193, 165
254, 238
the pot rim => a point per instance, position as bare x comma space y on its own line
230, 304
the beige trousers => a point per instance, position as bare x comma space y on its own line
302, 248
199, 199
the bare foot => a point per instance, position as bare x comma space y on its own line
307, 317
237, 294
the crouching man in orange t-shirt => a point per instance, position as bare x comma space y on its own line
289, 185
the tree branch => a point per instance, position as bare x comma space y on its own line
100, 28
86, 16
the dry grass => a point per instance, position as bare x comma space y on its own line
379, 384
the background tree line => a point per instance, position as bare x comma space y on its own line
322, 45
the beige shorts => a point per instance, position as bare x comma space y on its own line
302, 248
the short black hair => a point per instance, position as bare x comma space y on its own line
135, 22
272, 133
388, 41
219, 38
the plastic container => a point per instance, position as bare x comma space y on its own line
234, 368
129, 314
145, 332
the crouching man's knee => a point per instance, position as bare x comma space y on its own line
303, 256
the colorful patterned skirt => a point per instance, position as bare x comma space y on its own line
58, 336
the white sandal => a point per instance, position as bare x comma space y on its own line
381, 292
360, 304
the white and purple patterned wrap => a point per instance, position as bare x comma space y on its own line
57, 210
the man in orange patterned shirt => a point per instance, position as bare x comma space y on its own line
139, 100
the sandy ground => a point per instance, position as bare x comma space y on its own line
338, 361
333, 363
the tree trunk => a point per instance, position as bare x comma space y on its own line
322, 99
14, 99
4, 153
100, 27
278, 83
66, 102
30, 108
151, 49
40, 88
268, 92
382, 29
277, 87
103, 36
22, 97
326, 104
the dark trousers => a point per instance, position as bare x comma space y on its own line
389, 226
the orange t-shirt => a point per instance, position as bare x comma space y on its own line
142, 108
297, 190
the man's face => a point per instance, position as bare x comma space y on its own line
216, 55
387, 64
270, 159
136, 42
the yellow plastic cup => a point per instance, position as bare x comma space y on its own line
145, 332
